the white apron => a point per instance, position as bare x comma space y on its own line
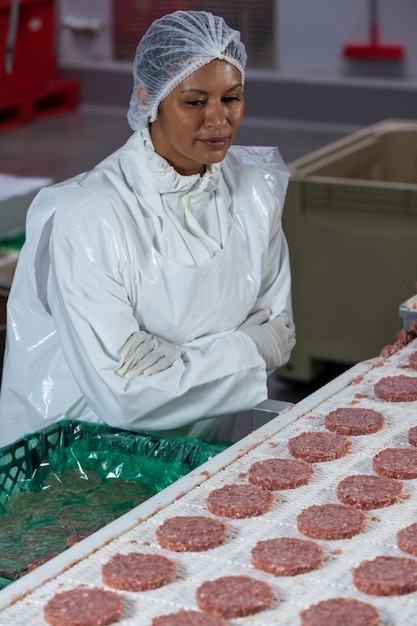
93, 270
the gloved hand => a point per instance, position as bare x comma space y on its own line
147, 354
274, 339
259, 317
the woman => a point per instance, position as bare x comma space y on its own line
153, 293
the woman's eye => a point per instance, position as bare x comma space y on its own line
201, 102
195, 103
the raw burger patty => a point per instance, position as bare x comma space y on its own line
397, 388
286, 556
396, 463
137, 571
330, 521
188, 618
354, 421
318, 446
237, 501
234, 596
369, 492
407, 539
413, 360
280, 473
386, 576
40, 561
190, 533
83, 605
76, 537
339, 612
412, 436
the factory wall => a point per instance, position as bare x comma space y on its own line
309, 78
312, 34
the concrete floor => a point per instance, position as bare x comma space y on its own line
62, 146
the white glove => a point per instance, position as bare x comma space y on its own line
274, 339
259, 317
147, 354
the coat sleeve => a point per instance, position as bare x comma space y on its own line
275, 288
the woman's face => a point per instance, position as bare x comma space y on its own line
198, 120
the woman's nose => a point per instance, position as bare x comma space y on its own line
216, 115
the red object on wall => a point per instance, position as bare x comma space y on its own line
374, 49
33, 60
30, 86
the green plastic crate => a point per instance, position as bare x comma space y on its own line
21, 461
75, 477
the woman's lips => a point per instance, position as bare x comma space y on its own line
215, 143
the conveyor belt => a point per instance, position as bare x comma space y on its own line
187, 496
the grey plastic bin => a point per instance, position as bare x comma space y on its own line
350, 218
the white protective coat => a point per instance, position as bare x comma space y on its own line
96, 267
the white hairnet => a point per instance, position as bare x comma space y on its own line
174, 47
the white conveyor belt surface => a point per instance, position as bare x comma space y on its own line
22, 602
